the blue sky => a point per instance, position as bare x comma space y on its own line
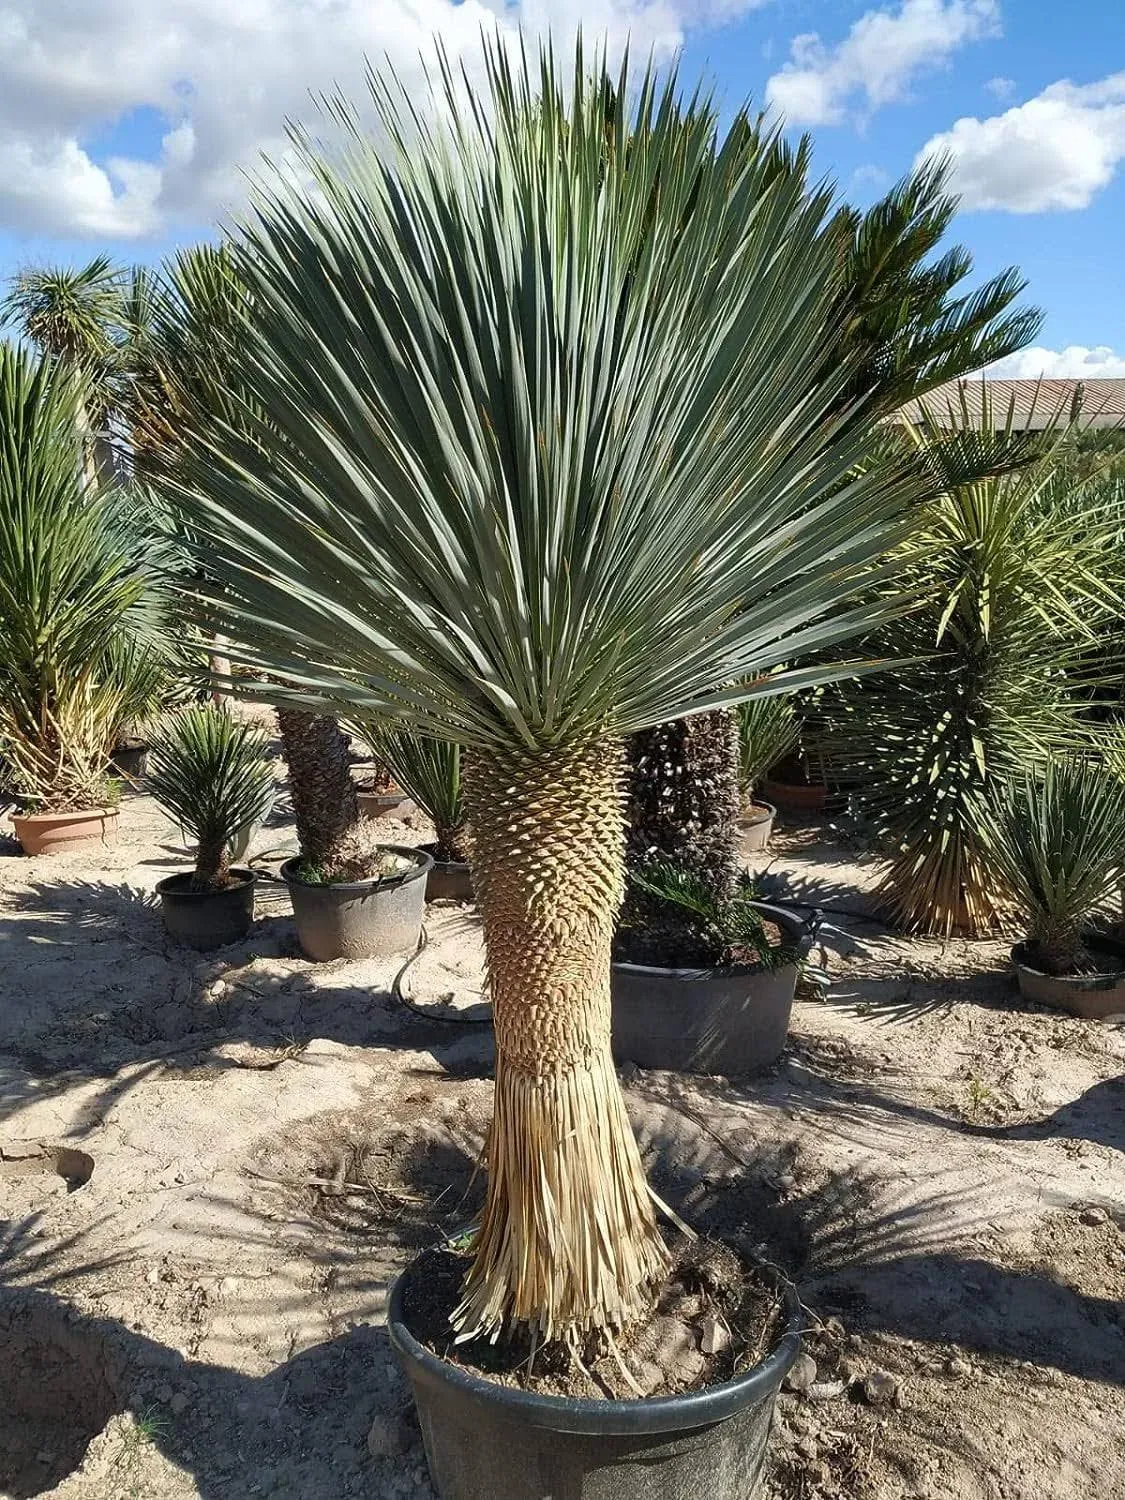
125, 124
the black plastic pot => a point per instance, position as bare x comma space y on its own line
486, 1441
1091, 996
732, 1020
364, 918
130, 759
208, 919
449, 880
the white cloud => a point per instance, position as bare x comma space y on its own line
224, 75
1055, 152
1001, 88
878, 60
1075, 362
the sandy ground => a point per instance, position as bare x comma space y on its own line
212, 1167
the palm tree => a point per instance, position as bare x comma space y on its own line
78, 317
1019, 581
534, 457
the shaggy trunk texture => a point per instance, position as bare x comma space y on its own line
325, 808
1059, 947
212, 866
683, 807
568, 1240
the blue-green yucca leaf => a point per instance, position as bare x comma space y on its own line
533, 440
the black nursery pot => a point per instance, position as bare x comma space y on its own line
732, 1020
486, 1441
362, 918
208, 919
449, 879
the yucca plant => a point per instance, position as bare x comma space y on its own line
539, 450
768, 729
429, 772
1057, 843
211, 774
1017, 581
81, 582
904, 325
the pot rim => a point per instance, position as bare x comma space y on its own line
423, 864
77, 815
445, 865
1102, 979
248, 877
585, 1415
757, 805
803, 938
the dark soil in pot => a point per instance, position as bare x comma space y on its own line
449, 880
731, 1019
364, 918
208, 919
713, 1353
1093, 995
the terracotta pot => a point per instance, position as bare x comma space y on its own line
800, 796
756, 825
380, 804
52, 832
1094, 997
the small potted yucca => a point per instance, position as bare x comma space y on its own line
768, 729
1057, 842
429, 772
210, 773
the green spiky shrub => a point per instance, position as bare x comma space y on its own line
1057, 843
768, 729
508, 471
720, 932
211, 774
1017, 582
82, 585
905, 324
429, 772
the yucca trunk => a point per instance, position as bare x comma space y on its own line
212, 866
325, 807
568, 1241
1059, 947
683, 808
684, 797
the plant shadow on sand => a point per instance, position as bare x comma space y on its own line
95, 989
300, 1429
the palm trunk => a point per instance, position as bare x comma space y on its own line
325, 808
568, 1240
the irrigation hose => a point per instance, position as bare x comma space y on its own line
420, 1010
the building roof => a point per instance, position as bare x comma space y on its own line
1032, 403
